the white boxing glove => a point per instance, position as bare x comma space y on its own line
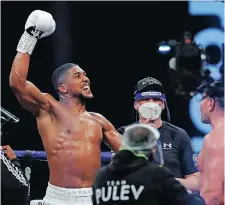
38, 25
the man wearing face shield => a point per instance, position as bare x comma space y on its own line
177, 150
131, 179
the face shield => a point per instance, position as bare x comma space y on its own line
143, 139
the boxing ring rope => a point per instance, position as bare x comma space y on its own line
31, 155
105, 156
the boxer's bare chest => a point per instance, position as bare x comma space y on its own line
80, 126
69, 127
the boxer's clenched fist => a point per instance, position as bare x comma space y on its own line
38, 25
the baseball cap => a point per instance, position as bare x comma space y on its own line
150, 83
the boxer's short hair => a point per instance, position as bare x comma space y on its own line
213, 90
59, 74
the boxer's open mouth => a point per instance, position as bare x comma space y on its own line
86, 87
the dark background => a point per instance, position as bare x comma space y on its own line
115, 42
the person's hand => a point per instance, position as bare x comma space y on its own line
8, 152
39, 24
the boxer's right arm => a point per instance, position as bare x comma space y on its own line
27, 94
39, 24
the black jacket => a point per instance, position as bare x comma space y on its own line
13, 182
132, 180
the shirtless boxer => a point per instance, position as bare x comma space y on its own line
71, 136
211, 158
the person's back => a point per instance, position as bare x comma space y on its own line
133, 180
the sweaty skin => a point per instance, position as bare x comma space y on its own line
211, 167
71, 136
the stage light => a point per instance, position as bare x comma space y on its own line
172, 63
203, 56
164, 48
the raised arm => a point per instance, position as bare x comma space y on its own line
39, 24
28, 94
111, 137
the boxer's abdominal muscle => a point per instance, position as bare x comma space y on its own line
72, 144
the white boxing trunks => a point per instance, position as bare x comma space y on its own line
63, 196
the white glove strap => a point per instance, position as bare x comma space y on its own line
26, 43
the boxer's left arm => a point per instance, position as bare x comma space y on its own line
110, 136
190, 171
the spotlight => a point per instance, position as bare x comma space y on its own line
203, 56
172, 63
164, 48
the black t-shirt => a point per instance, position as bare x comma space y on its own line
177, 149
